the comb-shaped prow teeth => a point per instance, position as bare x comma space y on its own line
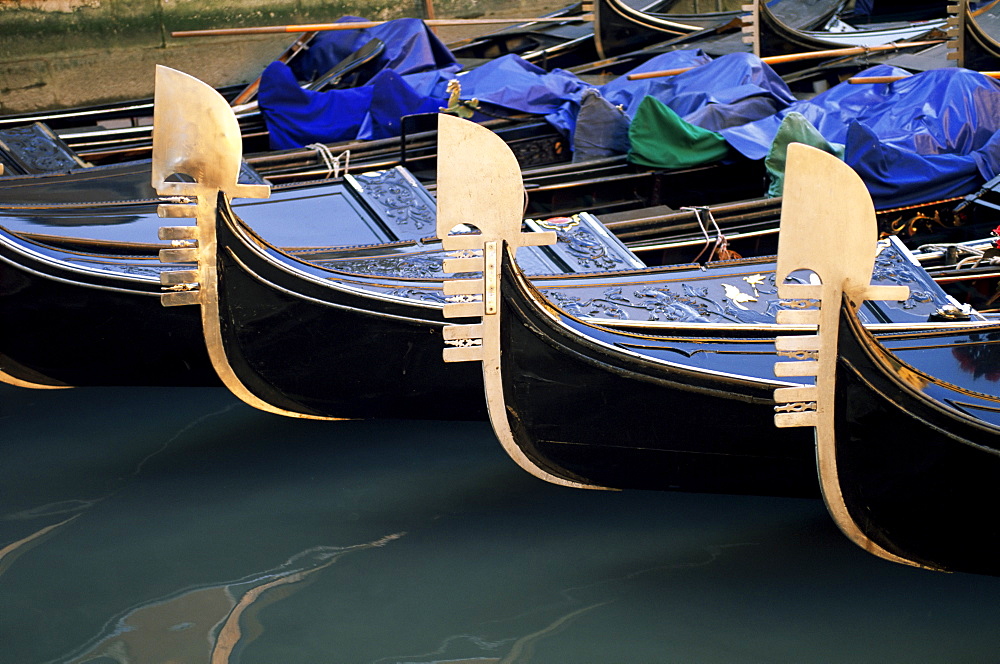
886, 293
182, 285
803, 317
797, 368
180, 298
459, 332
796, 406
177, 233
750, 29
797, 343
795, 394
806, 418
955, 27
180, 255
462, 242
459, 265
463, 354
464, 287
470, 340
464, 309
178, 277
175, 210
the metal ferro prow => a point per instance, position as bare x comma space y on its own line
480, 189
195, 134
479, 186
828, 227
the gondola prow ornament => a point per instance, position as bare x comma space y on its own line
828, 228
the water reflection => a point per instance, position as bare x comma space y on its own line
172, 525
204, 624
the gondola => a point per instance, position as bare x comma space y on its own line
254, 299
619, 28
672, 405
408, 267
977, 46
907, 444
62, 248
62, 273
767, 30
777, 37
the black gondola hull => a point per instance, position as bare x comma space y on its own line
918, 475
592, 414
66, 326
323, 350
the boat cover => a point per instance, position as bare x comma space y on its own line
733, 90
929, 136
729, 91
410, 46
660, 138
794, 129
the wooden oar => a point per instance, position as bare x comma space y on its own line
249, 92
985, 8
357, 25
858, 80
796, 57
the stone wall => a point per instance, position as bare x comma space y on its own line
59, 53
37, 27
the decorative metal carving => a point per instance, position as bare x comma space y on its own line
892, 268
711, 303
601, 307
420, 295
398, 198
456, 105
409, 267
584, 246
35, 149
908, 222
141, 271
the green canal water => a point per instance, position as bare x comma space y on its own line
180, 526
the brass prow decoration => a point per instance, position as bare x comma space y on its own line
828, 228
955, 28
196, 135
480, 189
751, 26
456, 105
479, 185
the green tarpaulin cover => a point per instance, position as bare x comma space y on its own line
795, 128
661, 139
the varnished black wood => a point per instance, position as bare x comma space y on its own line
315, 346
65, 322
918, 455
674, 408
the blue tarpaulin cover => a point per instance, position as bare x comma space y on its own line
296, 117
932, 135
732, 90
729, 91
409, 47
925, 137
